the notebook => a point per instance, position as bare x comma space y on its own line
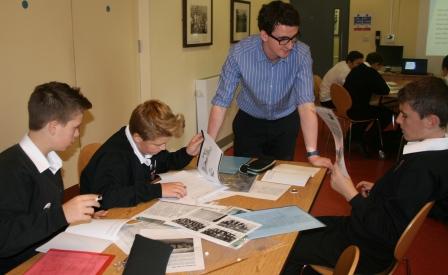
414, 66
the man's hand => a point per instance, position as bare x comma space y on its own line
194, 146
365, 187
173, 190
342, 184
320, 161
80, 208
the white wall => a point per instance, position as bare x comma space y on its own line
73, 41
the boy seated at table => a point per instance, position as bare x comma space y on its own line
381, 211
124, 168
31, 209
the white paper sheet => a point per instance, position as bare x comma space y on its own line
98, 228
198, 187
297, 179
332, 122
69, 241
291, 168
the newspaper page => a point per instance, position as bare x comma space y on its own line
166, 211
332, 122
217, 227
187, 250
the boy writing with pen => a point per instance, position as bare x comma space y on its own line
31, 208
124, 169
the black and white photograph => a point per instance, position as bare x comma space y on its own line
239, 20
189, 223
180, 245
207, 215
197, 23
235, 225
220, 234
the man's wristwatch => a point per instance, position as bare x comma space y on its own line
312, 153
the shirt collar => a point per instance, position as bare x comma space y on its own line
261, 55
52, 161
144, 159
432, 144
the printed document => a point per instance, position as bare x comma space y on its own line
198, 187
332, 122
187, 250
216, 227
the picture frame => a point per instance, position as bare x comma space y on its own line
197, 23
239, 20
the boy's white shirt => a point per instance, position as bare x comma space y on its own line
51, 161
144, 159
432, 144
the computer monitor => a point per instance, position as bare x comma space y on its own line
414, 66
392, 55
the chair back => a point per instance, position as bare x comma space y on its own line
341, 100
317, 80
408, 236
86, 154
347, 262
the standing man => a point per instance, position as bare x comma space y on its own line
337, 74
274, 70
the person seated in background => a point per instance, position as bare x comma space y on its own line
125, 167
362, 82
337, 74
31, 208
445, 69
381, 211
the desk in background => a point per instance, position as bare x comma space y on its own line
396, 81
261, 256
402, 79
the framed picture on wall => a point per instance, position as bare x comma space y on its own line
197, 18
239, 20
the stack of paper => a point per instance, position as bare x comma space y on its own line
290, 174
94, 236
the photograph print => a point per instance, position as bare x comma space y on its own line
197, 18
239, 20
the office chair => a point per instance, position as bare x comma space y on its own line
406, 238
343, 102
345, 265
85, 155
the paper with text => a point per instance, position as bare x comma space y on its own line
187, 250
332, 122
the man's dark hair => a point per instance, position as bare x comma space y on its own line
373, 58
427, 96
353, 55
277, 13
55, 101
445, 63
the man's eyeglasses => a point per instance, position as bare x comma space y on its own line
284, 40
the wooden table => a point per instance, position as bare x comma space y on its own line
401, 80
261, 256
